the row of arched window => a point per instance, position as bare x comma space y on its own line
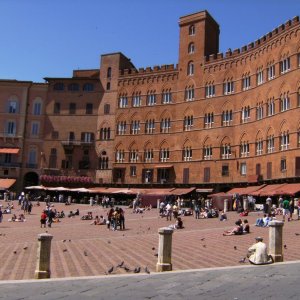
210, 152
261, 111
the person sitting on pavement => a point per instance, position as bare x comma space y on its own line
258, 254
246, 226
178, 224
237, 230
96, 221
263, 222
13, 218
223, 216
88, 216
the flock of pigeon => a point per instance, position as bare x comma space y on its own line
127, 269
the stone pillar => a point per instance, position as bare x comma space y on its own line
245, 203
164, 250
296, 207
225, 205
158, 204
275, 240
43, 256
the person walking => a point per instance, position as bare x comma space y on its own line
286, 209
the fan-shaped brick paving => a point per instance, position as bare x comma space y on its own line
92, 250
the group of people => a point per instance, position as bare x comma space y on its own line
241, 227
115, 219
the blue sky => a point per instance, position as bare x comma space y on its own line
50, 38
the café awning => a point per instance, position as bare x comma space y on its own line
288, 189
267, 190
182, 191
246, 190
163, 166
9, 150
6, 183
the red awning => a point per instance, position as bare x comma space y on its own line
183, 191
10, 150
6, 183
267, 190
246, 190
163, 166
287, 189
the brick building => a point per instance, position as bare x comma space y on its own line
212, 120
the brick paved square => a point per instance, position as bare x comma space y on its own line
92, 250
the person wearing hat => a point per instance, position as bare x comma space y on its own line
258, 254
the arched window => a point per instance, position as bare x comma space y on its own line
192, 30
191, 48
109, 72
187, 153
190, 68
37, 108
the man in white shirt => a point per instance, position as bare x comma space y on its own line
258, 254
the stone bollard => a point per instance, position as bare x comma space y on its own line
43, 256
164, 250
158, 204
275, 240
245, 204
225, 205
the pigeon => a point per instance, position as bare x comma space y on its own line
64, 241
202, 239
156, 254
153, 248
120, 265
147, 270
15, 252
126, 269
243, 260
85, 253
137, 270
65, 250
284, 246
25, 248
235, 247
110, 270
297, 233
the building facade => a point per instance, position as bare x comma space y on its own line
213, 119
